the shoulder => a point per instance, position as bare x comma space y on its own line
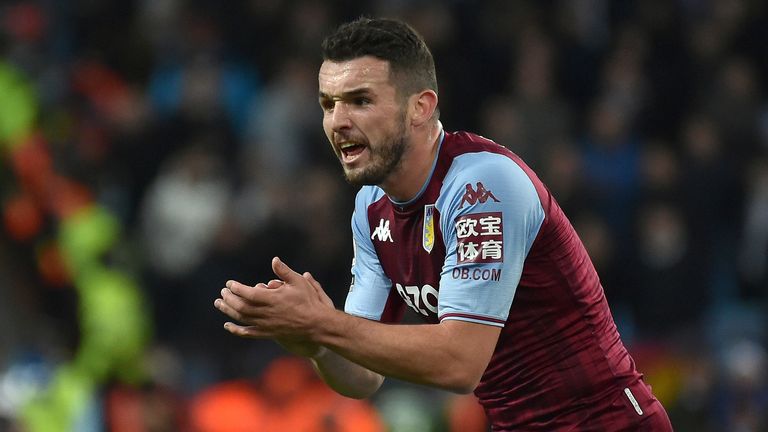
489, 179
485, 172
473, 156
485, 164
366, 196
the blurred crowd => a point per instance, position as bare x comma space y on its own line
181, 143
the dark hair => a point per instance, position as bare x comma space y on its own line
411, 66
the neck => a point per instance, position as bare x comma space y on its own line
404, 183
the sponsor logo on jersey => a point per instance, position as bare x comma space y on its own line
382, 232
479, 193
478, 274
479, 238
422, 299
428, 236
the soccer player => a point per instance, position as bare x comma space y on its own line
460, 230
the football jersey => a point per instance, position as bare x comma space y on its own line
484, 241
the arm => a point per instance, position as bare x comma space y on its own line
345, 377
451, 355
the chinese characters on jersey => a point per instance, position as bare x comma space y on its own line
480, 238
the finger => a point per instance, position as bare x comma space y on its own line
251, 332
284, 272
274, 283
235, 308
308, 276
256, 294
318, 288
227, 310
241, 304
312, 281
237, 287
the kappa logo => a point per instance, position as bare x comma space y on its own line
471, 196
382, 232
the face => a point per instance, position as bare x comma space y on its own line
363, 118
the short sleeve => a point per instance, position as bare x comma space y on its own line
370, 287
491, 215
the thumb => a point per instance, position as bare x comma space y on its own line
284, 272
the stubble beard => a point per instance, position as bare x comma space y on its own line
385, 158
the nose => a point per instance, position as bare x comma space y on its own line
340, 118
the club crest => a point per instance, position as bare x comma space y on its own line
428, 236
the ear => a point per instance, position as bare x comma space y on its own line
423, 106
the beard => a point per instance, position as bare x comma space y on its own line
385, 158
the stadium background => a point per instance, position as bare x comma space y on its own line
150, 150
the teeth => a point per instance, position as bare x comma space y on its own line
347, 145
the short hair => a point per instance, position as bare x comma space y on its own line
411, 66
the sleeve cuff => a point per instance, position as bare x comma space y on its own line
479, 319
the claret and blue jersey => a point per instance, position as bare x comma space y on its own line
484, 241
452, 239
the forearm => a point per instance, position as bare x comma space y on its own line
445, 355
451, 355
344, 376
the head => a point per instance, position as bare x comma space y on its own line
377, 86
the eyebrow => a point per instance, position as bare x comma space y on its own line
346, 95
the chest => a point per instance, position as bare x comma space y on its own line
411, 251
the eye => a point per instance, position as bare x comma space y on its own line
361, 101
327, 105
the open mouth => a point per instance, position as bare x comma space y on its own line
350, 151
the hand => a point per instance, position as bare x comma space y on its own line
286, 310
296, 347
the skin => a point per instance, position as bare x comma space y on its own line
361, 105
399, 137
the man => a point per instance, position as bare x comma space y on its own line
461, 231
